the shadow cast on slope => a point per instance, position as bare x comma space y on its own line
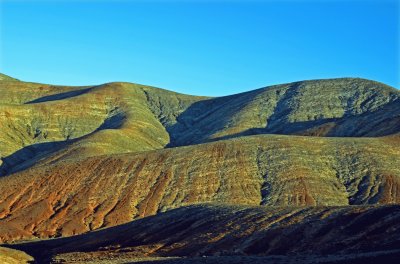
194, 124
297, 128
60, 96
29, 155
202, 119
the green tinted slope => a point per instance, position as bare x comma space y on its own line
6, 78
19, 93
104, 119
335, 107
123, 117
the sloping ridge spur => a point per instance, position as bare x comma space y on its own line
313, 162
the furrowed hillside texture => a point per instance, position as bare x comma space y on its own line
105, 119
67, 197
121, 117
12, 256
76, 159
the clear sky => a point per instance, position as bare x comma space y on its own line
199, 47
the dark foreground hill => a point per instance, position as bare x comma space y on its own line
76, 159
307, 233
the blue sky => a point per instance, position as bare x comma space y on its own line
199, 47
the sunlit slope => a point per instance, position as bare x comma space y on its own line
12, 256
123, 117
105, 119
7, 78
66, 197
16, 92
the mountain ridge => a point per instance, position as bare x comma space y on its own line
180, 120
79, 159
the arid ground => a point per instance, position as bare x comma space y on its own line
305, 172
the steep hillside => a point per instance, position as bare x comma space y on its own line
67, 197
105, 119
339, 233
335, 107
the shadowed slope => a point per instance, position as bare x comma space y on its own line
214, 230
333, 107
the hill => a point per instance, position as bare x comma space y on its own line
78, 159
71, 196
6, 78
113, 118
357, 233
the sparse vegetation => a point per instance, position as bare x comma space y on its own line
76, 159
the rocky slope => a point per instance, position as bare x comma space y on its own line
67, 197
12, 256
